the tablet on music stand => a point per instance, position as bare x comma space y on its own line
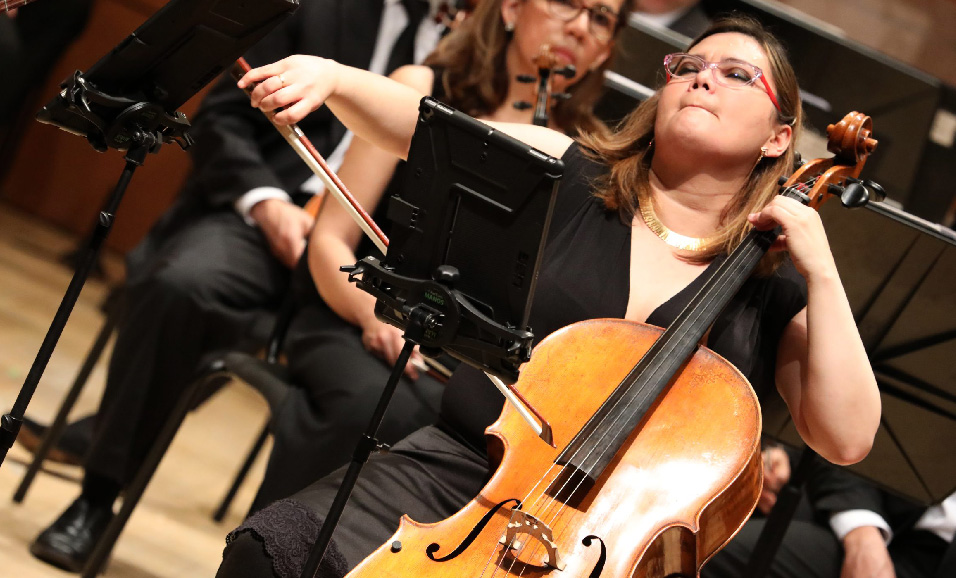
468, 234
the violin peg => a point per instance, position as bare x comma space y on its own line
568, 71
561, 96
522, 105
526, 78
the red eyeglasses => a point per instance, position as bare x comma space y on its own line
683, 67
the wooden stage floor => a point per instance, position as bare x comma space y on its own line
171, 532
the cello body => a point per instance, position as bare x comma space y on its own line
682, 485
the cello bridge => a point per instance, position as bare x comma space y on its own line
524, 524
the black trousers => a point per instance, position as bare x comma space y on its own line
337, 385
192, 289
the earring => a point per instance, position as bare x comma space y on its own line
509, 27
763, 153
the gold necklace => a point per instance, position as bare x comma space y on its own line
676, 240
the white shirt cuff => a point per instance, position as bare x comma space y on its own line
844, 522
245, 203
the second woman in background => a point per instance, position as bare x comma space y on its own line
474, 69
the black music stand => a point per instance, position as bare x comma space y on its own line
468, 237
899, 272
127, 101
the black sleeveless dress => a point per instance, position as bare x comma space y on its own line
437, 470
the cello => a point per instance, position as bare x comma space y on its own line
656, 464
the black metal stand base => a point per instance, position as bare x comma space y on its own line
10, 423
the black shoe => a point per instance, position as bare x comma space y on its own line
69, 449
69, 542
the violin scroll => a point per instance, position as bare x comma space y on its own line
547, 64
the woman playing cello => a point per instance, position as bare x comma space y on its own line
640, 217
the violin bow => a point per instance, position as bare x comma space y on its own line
308, 153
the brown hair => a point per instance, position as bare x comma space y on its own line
629, 150
475, 77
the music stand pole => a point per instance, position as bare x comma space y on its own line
143, 143
420, 319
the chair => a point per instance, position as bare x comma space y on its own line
210, 370
218, 372
266, 375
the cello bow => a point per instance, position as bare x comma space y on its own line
9, 5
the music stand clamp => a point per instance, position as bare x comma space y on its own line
123, 102
432, 319
507, 346
116, 121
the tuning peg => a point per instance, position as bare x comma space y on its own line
798, 160
877, 192
568, 71
853, 195
560, 96
526, 78
522, 105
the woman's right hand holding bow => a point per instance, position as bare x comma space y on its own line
372, 106
299, 84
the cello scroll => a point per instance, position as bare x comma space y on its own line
851, 142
